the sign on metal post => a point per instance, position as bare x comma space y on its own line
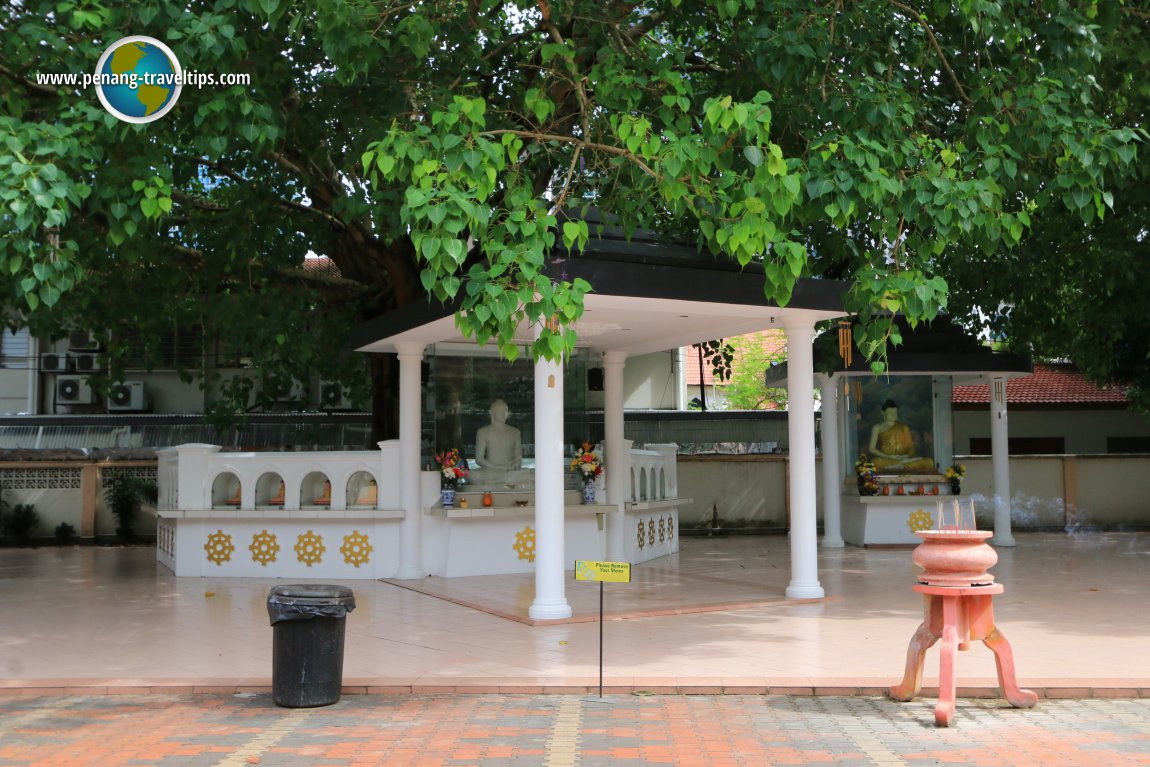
604, 572
609, 572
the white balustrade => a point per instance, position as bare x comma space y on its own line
338, 514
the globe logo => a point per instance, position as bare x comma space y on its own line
138, 79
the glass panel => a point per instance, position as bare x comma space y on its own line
462, 388
362, 490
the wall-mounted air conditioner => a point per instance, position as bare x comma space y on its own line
82, 340
333, 396
73, 390
128, 396
55, 362
85, 362
291, 391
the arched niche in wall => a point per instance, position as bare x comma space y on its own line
225, 490
270, 489
315, 490
362, 490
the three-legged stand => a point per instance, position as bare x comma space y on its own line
956, 615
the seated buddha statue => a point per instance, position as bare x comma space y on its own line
892, 447
278, 498
498, 448
324, 498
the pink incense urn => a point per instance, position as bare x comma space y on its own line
957, 558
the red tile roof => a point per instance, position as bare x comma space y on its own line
1048, 385
772, 342
321, 265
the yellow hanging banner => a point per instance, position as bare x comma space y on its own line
610, 572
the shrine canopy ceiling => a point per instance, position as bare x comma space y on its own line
935, 348
647, 296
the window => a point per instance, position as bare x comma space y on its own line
14, 348
176, 348
1128, 444
1021, 445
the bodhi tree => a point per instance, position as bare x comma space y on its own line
446, 148
1076, 286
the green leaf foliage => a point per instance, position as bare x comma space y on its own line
447, 149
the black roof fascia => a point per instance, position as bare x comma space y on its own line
404, 318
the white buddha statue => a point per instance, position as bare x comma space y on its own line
498, 447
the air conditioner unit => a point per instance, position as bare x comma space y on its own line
86, 362
82, 340
55, 362
73, 390
128, 396
333, 396
288, 392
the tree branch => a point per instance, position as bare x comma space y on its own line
938, 48
562, 198
30, 84
576, 77
284, 162
288, 204
584, 143
228, 172
198, 202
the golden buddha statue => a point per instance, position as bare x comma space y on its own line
368, 494
892, 447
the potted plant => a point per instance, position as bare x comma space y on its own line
125, 497
452, 474
19, 522
588, 466
866, 476
955, 474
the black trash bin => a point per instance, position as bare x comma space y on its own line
308, 621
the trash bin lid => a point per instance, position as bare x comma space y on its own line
321, 591
303, 601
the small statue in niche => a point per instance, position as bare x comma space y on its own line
368, 494
892, 446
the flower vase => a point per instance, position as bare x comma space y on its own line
589, 491
447, 497
955, 486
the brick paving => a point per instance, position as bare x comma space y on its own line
204, 730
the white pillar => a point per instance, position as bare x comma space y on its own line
550, 596
194, 480
618, 454
410, 407
33, 374
801, 433
1000, 457
832, 471
680, 363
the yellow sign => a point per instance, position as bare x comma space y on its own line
611, 572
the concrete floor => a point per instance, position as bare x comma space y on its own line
712, 618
